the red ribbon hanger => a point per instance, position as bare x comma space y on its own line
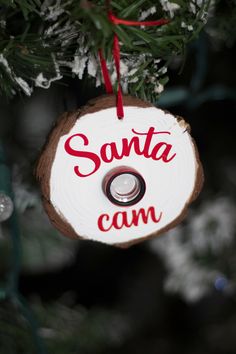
116, 56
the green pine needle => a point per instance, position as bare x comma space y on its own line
41, 40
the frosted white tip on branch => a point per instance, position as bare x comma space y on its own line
17, 80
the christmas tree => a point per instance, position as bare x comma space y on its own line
172, 294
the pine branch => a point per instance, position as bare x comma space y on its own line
40, 41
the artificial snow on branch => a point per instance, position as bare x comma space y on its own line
41, 41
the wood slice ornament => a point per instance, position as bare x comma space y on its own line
118, 181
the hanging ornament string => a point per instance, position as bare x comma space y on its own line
105, 73
116, 55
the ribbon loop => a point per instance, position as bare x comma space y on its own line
119, 21
116, 56
105, 73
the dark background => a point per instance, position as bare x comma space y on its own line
101, 299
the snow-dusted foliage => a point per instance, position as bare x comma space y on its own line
197, 255
69, 37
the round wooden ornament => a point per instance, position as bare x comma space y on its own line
118, 181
